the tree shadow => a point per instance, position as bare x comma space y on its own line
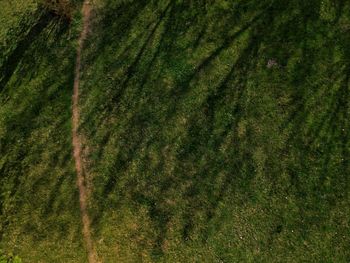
14, 58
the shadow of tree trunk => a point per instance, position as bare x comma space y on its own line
14, 58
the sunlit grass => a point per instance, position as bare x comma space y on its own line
214, 132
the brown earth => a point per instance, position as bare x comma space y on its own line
77, 146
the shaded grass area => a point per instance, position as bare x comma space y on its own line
10, 63
14, 13
218, 131
39, 201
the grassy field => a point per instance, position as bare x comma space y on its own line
214, 131
39, 207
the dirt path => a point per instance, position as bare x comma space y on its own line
77, 147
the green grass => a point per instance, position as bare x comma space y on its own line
40, 218
12, 13
197, 149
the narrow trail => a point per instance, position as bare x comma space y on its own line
77, 147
